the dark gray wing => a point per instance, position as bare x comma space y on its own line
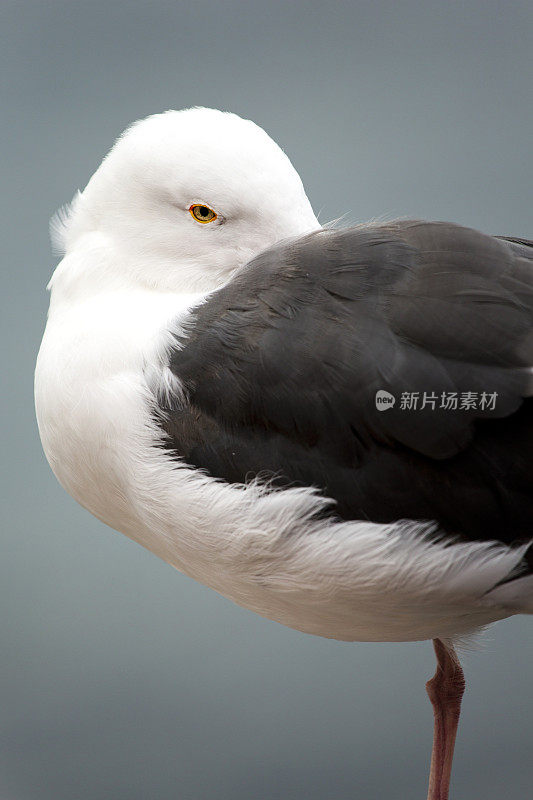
285, 362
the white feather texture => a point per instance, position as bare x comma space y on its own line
135, 263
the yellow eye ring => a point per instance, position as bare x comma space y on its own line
202, 213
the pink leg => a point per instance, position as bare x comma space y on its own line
445, 690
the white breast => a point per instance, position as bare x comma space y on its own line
91, 390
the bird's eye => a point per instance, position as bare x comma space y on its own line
202, 213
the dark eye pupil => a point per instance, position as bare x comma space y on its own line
204, 211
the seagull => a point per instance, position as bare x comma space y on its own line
330, 426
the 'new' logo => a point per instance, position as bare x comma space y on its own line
384, 400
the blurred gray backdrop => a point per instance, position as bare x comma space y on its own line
120, 678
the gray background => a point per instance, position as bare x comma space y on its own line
119, 677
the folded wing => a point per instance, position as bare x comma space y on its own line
283, 367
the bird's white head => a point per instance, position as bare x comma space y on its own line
182, 200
